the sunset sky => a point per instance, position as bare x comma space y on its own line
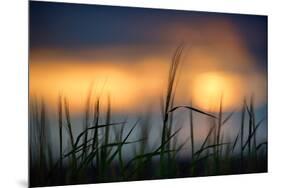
126, 52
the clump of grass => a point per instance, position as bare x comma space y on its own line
96, 153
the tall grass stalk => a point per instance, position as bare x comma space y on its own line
191, 132
69, 126
242, 135
86, 123
254, 128
168, 99
60, 131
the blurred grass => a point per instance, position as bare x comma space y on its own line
95, 154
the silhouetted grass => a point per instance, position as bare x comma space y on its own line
96, 153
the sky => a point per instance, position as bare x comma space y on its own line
126, 52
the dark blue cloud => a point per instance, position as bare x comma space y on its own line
76, 26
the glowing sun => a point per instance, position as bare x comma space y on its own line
209, 88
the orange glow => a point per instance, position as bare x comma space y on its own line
210, 87
133, 86
125, 84
135, 76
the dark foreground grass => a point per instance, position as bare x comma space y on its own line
96, 154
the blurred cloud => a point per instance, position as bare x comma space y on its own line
129, 59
